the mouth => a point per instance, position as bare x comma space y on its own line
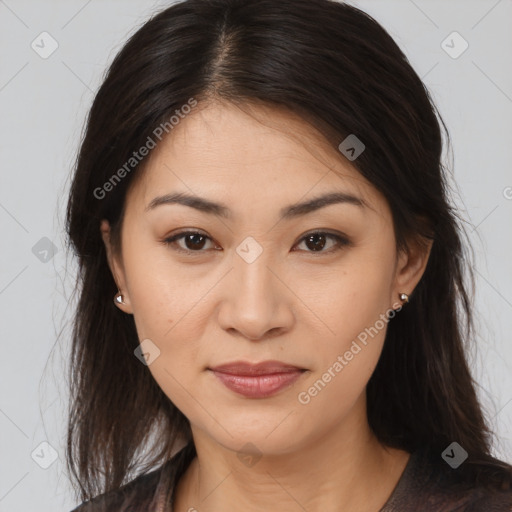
250, 369
259, 380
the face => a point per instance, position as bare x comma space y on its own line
254, 279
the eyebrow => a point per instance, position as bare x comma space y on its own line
288, 212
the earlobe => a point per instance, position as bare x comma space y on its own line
122, 302
121, 299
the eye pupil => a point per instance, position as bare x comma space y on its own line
194, 239
317, 246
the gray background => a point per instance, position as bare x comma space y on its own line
43, 105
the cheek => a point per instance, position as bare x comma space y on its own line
161, 294
348, 297
344, 363
169, 319
169, 309
354, 309
336, 391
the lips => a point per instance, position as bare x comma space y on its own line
250, 369
259, 380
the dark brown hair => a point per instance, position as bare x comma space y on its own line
338, 69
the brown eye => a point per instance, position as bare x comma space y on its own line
317, 241
193, 241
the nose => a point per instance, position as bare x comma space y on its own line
257, 303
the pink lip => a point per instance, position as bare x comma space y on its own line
257, 380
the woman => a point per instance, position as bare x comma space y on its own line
272, 305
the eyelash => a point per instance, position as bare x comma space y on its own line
341, 240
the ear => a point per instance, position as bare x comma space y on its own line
116, 267
410, 267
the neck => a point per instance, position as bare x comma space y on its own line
345, 466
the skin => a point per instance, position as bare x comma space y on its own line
291, 304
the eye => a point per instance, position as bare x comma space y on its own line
317, 240
194, 241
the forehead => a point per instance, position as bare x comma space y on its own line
269, 155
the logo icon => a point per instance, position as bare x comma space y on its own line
44, 455
249, 250
147, 352
246, 458
351, 147
44, 45
44, 250
454, 455
454, 45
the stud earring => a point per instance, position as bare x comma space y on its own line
404, 297
118, 299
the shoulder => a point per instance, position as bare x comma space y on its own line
149, 491
486, 500
429, 484
137, 492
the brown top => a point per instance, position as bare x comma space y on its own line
428, 484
